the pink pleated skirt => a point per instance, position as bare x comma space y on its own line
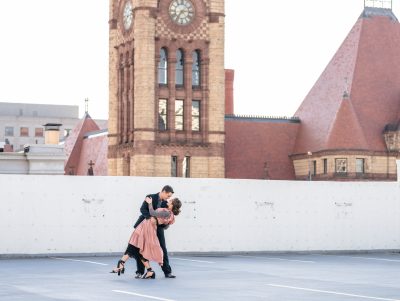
145, 238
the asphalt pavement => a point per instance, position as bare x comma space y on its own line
218, 277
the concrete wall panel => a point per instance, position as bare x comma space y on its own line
72, 214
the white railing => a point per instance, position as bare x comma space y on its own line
378, 3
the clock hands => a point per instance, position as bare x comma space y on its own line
181, 11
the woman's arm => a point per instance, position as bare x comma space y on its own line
158, 213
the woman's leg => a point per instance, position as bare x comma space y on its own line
120, 269
150, 274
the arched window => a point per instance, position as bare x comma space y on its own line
196, 68
179, 67
162, 67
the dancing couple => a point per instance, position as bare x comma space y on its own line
147, 242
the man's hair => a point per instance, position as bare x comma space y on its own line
167, 188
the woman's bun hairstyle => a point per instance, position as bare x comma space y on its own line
176, 205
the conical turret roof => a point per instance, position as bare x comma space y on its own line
366, 67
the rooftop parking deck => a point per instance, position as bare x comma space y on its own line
247, 277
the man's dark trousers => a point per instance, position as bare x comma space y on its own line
165, 267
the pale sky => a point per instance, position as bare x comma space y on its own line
56, 52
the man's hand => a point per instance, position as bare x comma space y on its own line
154, 220
149, 200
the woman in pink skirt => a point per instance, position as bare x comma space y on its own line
143, 243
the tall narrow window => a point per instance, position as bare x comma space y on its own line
162, 114
314, 168
126, 168
325, 166
163, 67
341, 166
174, 166
196, 68
360, 165
121, 93
179, 115
195, 115
186, 167
179, 68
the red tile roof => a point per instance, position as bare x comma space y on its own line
94, 149
73, 143
367, 65
346, 132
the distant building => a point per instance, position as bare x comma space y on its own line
22, 123
171, 102
167, 88
347, 127
36, 159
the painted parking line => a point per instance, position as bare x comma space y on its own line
140, 295
276, 258
361, 257
87, 261
203, 261
373, 258
330, 292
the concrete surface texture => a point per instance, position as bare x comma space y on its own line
240, 277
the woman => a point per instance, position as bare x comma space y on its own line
143, 243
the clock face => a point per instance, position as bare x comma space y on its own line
181, 11
127, 16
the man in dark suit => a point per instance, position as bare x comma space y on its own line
159, 200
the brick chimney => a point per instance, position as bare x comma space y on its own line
52, 133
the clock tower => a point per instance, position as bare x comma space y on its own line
167, 88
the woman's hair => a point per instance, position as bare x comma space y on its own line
176, 205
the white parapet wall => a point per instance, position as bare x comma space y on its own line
36, 159
70, 214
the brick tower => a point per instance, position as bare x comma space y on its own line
167, 88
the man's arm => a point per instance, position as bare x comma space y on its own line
144, 209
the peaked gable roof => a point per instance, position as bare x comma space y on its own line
346, 131
94, 148
73, 143
367, 65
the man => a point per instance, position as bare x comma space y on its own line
159, 200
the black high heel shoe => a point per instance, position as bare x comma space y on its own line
120, 267
147, 276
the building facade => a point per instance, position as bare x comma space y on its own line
23, 123
348, 126
167, 88
350, 118
172, 111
